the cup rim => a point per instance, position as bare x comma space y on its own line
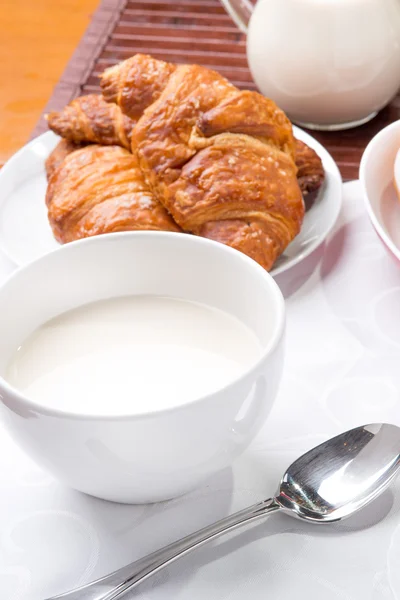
32, 405
369, 151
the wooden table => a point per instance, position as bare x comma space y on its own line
37, 39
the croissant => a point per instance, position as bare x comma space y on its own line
100, 189
220, 160
91, 119
56, 157
310, 172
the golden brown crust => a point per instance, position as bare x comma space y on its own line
91, 119
208, 197
220, 160
142, 73
252, 114
168, 135
56, 157
100, 189
310, 171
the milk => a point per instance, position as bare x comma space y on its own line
326, 62
131, 355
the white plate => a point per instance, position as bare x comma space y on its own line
25, 233
377, 179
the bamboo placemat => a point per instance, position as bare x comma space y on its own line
198, 31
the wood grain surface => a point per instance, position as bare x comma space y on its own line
185, 31
37, 39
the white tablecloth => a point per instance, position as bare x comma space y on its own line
342, 370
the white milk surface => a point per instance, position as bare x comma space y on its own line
132, 355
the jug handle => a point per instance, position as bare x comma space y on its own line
240, 11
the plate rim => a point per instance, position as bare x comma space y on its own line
330, 167
8, 165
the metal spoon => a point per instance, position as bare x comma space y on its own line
327, 484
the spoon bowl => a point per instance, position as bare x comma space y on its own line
341, 476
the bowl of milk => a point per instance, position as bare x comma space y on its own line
135, 365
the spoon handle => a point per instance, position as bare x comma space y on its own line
115, 585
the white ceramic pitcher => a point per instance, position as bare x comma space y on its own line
329, 64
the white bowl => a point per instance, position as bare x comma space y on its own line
163, 454
377, 179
